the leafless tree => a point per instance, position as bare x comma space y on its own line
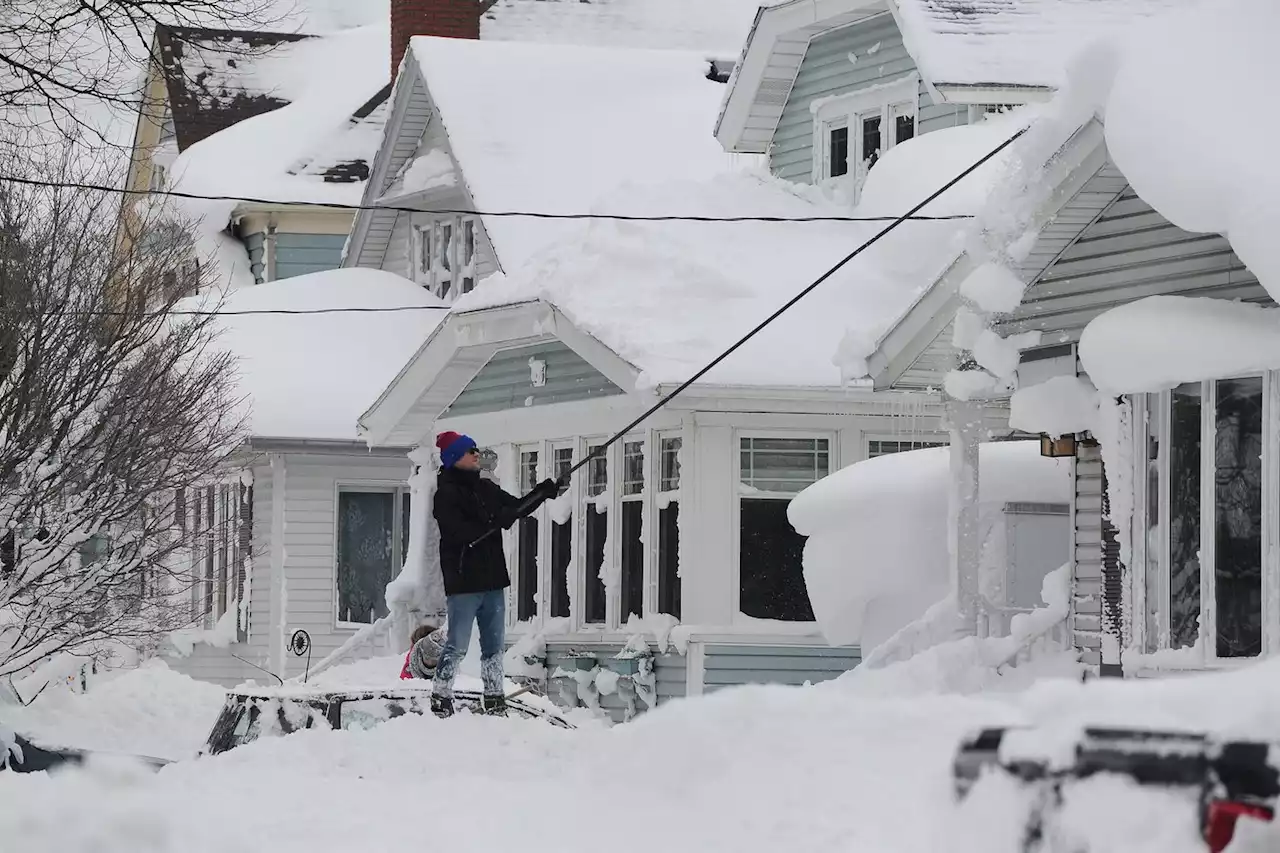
111, 406
74, 66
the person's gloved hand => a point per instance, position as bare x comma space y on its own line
546, 490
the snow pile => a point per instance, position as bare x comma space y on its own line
1017, 42
540, 127
151, 710
877, 549
1159, 342
1152, 136
876, 775
221, 635
1057, 406
416, 594
619, 280
312, 375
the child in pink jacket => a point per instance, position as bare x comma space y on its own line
424, 652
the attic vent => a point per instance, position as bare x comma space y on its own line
773, 91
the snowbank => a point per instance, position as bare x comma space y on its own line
1162, 341
312, 375
1152, 136
619, 280
844, 765
878, 532
151, 710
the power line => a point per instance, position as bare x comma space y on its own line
619, 217
599, 449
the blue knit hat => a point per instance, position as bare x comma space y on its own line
453, 446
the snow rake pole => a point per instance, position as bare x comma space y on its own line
600, 449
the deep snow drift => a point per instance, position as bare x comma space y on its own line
861, 763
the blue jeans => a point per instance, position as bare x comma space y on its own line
489, 611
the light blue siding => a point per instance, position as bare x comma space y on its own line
506, 382
826, 70
1129, 252
299, 254
736, 665
669, 675
256, 246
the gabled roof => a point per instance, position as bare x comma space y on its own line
553, 128
968, 51
1063, 174
210, 77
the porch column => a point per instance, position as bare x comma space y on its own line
965, 424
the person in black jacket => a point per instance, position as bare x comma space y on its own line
472, 512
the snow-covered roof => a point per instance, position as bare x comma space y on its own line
669, 296
552, 128
717, 26
309, 376
992, 43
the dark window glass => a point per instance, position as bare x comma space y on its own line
669, 559
771, 553
365, 554
904, 128
1184, 512
870, 141
1237, 567
838, 151
594, 606
561, 546
527, 545
632, 561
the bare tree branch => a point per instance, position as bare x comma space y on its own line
110, 410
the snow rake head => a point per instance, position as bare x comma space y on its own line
1228, 779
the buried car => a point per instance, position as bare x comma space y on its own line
20, 755
249, 714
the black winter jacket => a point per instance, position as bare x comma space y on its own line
467, 506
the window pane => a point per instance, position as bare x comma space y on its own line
838, 151
527, 569
783, 465
904, 128
1237, 567
870, 141
633, 467
632, 560
404, 526
446, 246
1154, 544
594, 606
468, 242
1184, 516
883, 448
597, 472
669, 559
424, 250
563, 464
670, 465
468, 285
365, 568
561, 544
771, 552
528, 470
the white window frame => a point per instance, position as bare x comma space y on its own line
1143, 405
647, 544
544, 542
933, 440
832, 438
399, 490
547, 579
581, 509
654, 464
890, 100
427, 231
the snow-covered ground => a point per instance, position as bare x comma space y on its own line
861, 763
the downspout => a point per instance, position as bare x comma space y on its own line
279, 611
964, 535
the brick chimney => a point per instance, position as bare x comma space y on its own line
459, 19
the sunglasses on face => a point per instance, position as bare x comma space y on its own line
473, 452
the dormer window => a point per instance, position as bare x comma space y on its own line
852, 131
444, 254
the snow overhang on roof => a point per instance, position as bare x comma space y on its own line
457, 350
1063, 174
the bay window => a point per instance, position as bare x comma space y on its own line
772, 471
1203, 538
852, 131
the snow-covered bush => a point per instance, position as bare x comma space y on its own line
109, 409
